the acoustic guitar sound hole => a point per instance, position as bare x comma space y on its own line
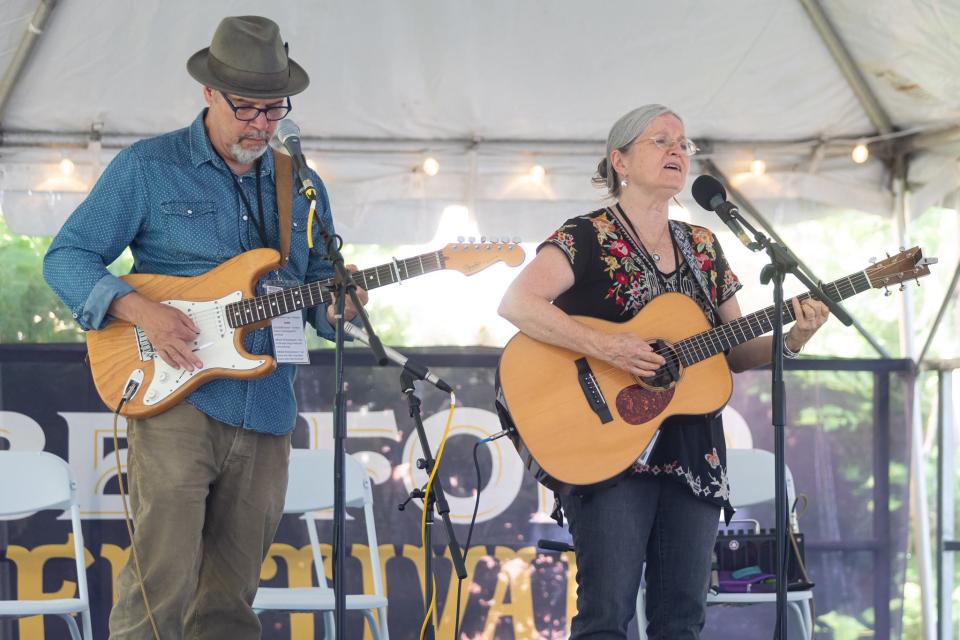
667, 375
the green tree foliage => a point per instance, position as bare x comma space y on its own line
29, 310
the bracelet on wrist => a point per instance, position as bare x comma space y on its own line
788, 352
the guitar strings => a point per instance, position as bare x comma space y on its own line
704, 341
318, 288
683, 348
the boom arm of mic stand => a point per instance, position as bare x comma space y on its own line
783, 259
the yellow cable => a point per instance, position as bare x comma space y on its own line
313, 207
128, 520
431, 608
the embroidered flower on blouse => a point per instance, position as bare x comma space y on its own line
619, 248
713, 459
603, 225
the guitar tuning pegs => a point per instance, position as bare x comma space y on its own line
903, 248
902, 286
516, 240
873, 260
460, 239
887, 292
917, 280
471, 239
483, 238
886, 252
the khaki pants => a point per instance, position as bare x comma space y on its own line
206, 500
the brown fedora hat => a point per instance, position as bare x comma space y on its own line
247, 57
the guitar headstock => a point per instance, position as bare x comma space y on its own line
470, 257
909, 264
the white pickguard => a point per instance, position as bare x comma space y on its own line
213, 345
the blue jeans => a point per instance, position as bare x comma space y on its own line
643, 519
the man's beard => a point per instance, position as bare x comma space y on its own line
246, 156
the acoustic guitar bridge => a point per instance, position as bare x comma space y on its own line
591, 391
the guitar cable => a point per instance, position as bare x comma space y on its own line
128, 392
473, 519
803, 500
431, 606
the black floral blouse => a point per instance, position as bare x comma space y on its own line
613, 280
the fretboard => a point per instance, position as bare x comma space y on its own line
726, 336
278, 303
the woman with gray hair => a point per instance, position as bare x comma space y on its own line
609, 264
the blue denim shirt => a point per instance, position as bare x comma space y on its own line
171, 199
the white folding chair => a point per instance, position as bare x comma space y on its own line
310, 488
751, 476
36, 481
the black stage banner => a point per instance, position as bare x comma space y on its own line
47, 402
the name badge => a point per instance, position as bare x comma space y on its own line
289, 341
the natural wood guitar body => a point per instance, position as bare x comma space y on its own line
562, 439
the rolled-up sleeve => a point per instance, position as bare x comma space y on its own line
94, 235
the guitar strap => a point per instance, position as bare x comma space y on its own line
681, 235
283, 179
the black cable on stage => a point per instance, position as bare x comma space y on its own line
473, 520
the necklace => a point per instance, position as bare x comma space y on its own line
653, 254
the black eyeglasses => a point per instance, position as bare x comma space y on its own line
248, 114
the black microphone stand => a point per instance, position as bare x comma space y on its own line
782, 262
343, 286
434, 499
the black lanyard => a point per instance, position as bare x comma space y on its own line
661, 277
257, 218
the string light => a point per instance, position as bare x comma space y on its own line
430, 166
67, 167
860, 153
537, 172
758, 167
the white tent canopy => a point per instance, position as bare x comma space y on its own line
489, 89
492, 88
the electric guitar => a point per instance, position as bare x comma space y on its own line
222, 303
580, 423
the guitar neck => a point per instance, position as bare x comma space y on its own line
311, 294
726, 336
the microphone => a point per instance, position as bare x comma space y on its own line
710, 194
416, 369
288, 134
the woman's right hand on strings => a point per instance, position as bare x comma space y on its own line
630, 353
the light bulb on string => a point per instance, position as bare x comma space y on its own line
537, 172
430, 166
860, 153
67, 167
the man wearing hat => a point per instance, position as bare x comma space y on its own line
207, 477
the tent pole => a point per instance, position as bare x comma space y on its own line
20, 57
919, 510
848, 66
947, 299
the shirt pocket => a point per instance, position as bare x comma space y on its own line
190, 230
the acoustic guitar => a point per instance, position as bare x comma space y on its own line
580, 423
222, 303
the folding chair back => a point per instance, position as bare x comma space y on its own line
35, 481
